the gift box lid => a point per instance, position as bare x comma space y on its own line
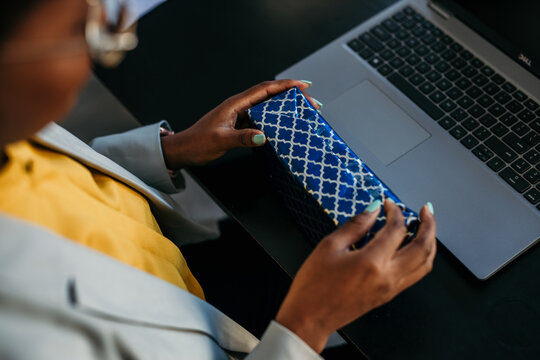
320, 160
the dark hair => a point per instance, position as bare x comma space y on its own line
11, 13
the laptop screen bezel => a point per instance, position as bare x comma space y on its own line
520, 56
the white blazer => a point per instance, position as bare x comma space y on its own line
61, 300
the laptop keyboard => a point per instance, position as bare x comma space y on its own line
488, 115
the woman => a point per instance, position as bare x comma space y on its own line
57, 194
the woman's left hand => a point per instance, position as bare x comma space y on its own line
223, 128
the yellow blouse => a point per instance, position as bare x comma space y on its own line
93, 209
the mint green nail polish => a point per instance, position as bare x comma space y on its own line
259, 139
374, 206
307, 82
430, 207
318, 103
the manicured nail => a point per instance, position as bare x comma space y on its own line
374, 206
259, 139
309, 83
318, 103
430, 208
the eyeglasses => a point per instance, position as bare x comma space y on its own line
106, 38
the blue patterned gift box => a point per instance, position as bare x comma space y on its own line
321, 180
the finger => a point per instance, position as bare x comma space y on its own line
316, 103
421, 248
356, 228
263, 91
388, 239
244, 138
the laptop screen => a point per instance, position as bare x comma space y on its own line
513, 26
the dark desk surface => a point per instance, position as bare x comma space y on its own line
195, 54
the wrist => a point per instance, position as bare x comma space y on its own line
175, 150
306, 328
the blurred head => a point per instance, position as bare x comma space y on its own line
43, 63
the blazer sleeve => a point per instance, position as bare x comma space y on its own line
278, 342
139, 151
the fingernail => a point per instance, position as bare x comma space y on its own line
259, 139
309, 83
318, 103
430, 208
391, 200
374, 206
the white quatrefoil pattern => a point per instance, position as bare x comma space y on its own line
328, 169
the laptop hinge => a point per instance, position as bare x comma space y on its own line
440, 10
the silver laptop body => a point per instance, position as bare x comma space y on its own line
481, 219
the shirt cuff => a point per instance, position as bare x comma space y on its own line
278, 342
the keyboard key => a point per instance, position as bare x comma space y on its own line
413, 59
485, 100
375, 61
535, 125
428, 39
497, 79
496, 110
432, 58
476, 111
482, 152
356, 45
399, 17
500, 149
514, 179
416, 79
447, 122
442, 66
471, 124
469, 141
454, 93
412, 43
421, 50
474, 92
509, 88
444, 84
423, 68
459, 63
514, 106
481, 133
526, 115
418, 31
427, 25
458, 114
533, 196
433, 76
385, 69
366, 54
532, 138
502, 97
372, 42
531, 104
491, 88
520, 165
380, 33
477, 63
458, 132
508, 119
409, 24
520, 128
519, 96
387, 54
516, 143
456, 47
416, 96
499, 129
465, 102
496, 164
393, 43
463, 83
402, 35
448, 55
390, 25
448, 105
437, 96
403, 51
465, 54
406, 71
438, 47
532, 176
447, 39
532, 156
426, 88
486, 70
469, 71
396, 63
488, 120
480, 80
452, 75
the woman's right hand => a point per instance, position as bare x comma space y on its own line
336, 285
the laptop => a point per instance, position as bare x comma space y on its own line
441, 100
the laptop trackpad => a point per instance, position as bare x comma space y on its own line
364, 115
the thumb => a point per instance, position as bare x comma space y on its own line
246, 138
